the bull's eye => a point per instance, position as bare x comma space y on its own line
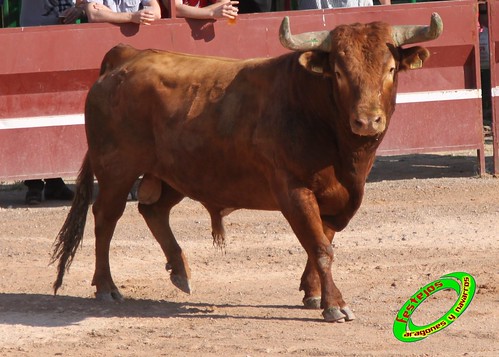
338, 75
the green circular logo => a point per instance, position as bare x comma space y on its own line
462, 283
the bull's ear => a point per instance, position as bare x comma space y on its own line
315, 62
413, 57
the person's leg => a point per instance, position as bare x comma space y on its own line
56, 189
34, 194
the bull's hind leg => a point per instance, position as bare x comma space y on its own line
157, 217
107, 209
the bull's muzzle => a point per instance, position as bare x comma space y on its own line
368, 124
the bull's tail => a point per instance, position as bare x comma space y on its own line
71, 234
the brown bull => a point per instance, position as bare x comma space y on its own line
296, 133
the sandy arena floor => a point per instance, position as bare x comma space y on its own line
423, 216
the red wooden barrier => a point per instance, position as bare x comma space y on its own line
45, 73
439, 106
493, 17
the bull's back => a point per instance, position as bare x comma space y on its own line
191, 119
183, 87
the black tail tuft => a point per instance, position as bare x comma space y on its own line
71, 234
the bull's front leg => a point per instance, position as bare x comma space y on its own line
301, 210
311, 284
310, 280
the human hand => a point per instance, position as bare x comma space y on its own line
143, 17
70, 15
226, 9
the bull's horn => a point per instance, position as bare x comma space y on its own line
413, 33
319, 40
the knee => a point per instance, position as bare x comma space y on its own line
325, 257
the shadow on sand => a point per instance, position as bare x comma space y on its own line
425, 166
55, 311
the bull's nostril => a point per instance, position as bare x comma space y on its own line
377, 120
360, 123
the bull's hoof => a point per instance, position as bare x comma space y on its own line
333, 314
312, 303
181, 282
349, 315
114, 295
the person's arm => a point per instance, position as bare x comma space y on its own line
100, 13
217, 10
385, 2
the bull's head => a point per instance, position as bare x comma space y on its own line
363, 60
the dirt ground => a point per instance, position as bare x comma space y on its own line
423, 216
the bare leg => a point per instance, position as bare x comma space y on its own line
156, 216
